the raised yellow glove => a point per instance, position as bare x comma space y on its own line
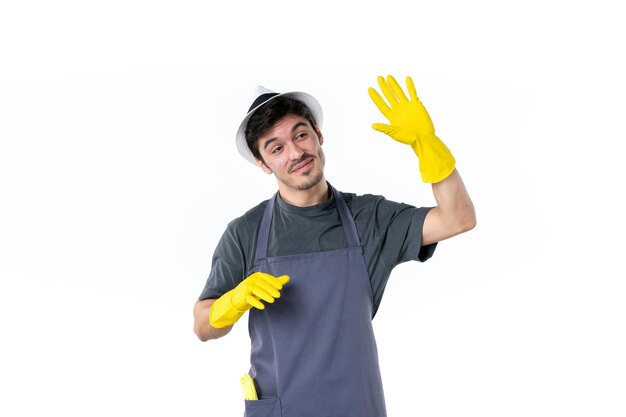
411, 124
229, 308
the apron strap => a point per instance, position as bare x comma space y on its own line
264, 230
349, 227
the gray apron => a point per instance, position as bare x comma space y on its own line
313, 351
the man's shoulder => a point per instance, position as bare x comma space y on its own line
370, 204
250, 219
361, 200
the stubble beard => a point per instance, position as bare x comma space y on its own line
313, 181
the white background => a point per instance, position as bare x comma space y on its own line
118, 174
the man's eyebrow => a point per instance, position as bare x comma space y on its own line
293, 129
267, 142
297, 125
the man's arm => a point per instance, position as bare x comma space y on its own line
410, 123
454, 213
201, 325
213, 318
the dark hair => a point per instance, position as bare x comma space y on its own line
268, 114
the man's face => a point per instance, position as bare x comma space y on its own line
292, 150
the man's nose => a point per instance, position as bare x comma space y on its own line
295, 152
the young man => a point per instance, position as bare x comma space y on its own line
311, 263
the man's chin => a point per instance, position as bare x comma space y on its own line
310, 182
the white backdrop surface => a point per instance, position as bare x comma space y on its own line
118, 174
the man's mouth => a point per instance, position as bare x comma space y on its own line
302, 165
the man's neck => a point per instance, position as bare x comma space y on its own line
306, 198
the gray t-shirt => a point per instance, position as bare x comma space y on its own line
390, 233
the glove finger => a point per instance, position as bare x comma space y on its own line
395, 132
268, 290
392, 131
283, 279
268, 282
397, 90
254, 302
265, 294
264, 290
382, 128
258, 277
380, 103
411, 87
384, 87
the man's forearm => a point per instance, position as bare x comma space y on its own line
454, 213
201, 326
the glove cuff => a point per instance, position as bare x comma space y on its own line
223, 313
435, 159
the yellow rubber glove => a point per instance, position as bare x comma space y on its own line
248, 388
411, 124
229, 308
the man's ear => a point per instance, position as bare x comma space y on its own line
320, 136
262, 165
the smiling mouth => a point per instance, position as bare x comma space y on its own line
302, 166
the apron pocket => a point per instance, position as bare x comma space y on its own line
267, 407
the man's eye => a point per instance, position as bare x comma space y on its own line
302, 135
277, 149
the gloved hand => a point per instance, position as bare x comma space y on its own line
229, 308
411, 124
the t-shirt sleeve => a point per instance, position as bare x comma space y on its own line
400, 233
391, 233
227, 267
